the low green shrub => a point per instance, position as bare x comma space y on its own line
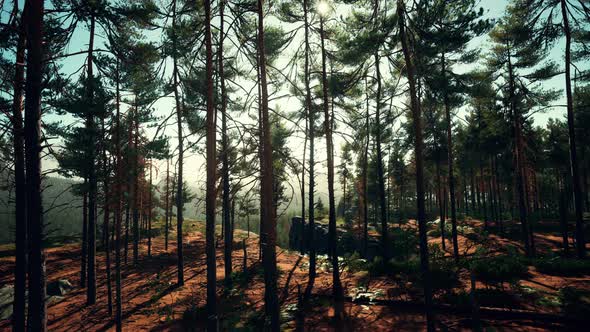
575, 302
562, 266
498, 269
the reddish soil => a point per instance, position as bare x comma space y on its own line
152, 302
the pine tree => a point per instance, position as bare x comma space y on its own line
546, 25
37, 307
418, 150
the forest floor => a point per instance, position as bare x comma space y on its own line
151, 301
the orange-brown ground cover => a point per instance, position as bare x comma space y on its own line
152, 302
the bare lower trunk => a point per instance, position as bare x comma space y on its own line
268, 232
418, 147
211, 170
179, 181
575, 173
118, 208
37, 317
20, 207
337, 291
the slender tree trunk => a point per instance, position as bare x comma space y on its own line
20, 207
84, 253
224, 156
418, 147
563, 212
118, 208
268, 233
332, 232
37, 317
92, 179
211, 170
127, 216
499, 195
518, 161
365, 181
439, 198
575, 173
136, 189
179, 181
450, 164
311, 130
149, 218
473, 203
167, 206
106, 226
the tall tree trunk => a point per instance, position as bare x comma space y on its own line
311, 129
211, 170
127, 217
106, 216
418, 147
365, 180
332, 233
380, 172
167, 206
439, 198
136, 190
450, 164
37, 317
473, 203
575, 173
92, 179
518, 150
149, 218
118, 208
179, 181
562, 212
224, 155
20, 207
268, 233
84, 251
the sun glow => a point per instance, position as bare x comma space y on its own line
323, 8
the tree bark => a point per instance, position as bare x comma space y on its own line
167, 206
179, 181
418, 148
268, 232
92, 179
106, 226
224, 156
311, 130
450, 163
518, 160
575, 173
337, 291
20, 207
211, 176
118, 208
84, 250
37, 309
